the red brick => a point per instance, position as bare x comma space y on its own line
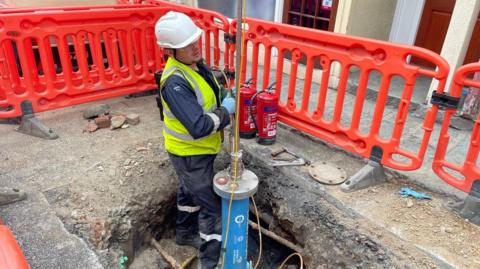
103, 121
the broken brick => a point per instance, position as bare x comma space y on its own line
103, 121
90, 127
133, 119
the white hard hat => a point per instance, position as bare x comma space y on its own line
176, 30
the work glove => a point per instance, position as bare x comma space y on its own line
234, 93
226, 93
229, 104
405, 192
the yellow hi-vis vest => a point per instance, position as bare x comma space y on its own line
178, 141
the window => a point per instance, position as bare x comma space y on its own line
316, 14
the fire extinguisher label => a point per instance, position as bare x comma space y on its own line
247, 119
270, 109
271, 124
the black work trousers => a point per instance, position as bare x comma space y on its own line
199, 208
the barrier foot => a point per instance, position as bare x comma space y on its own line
371, 174
470, 208
32, 126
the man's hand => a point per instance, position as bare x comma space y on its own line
233, 93
227, 93
229, 104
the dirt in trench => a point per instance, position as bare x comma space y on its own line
116, 203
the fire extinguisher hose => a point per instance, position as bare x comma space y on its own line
251, 111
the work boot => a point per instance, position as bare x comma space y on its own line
192, 240
10, 195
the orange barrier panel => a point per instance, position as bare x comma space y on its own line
11, 256
62, 57
469, 171
24, 10
214, 25
58, 57
320, 49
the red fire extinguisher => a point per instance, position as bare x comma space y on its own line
247, 105
266, 115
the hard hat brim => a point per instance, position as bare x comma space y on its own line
185, 43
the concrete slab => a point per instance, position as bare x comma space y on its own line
43, 238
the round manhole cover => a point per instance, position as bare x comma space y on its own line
327, 173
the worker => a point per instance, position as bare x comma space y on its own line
194, 115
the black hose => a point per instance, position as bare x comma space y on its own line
268, 89
250, 110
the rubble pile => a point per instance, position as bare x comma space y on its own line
101, 117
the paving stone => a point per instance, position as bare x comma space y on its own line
133, 119
117, 122
96, 111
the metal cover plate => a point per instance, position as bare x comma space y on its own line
247, 186
327, 173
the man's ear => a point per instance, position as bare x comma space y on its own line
168, 52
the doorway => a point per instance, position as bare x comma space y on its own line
433, 28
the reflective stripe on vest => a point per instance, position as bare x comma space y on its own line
198, 93
200, 100
178, 135
182, 74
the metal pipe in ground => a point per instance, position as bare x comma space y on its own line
234, 134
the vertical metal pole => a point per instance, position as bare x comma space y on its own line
237, 165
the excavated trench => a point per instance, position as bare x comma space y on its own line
292, 208
162, 226
273, 252
118, 211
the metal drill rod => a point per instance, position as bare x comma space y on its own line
235, 146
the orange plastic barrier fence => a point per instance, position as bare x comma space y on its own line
58, 57
11, 256
23, 10
465, 174
123, 2
214, 26
321, 49
62, 57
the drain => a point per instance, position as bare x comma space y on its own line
327, 173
